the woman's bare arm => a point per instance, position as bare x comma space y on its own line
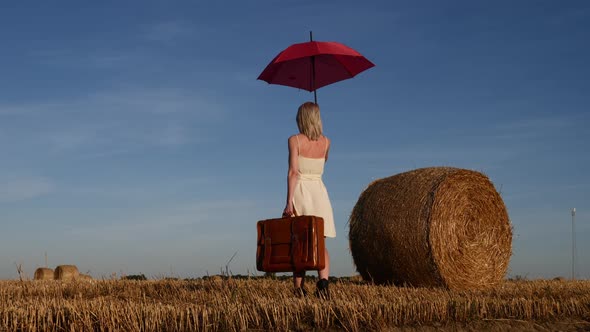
327, 150
292, 176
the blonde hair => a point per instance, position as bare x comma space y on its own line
309, 121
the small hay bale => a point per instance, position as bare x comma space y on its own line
66, 272
82, 276
43, 273
431, 227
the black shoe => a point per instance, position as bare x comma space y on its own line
300, 292
322, 291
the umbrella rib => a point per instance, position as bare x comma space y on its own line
344, 65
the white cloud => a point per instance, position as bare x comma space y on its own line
167, 31
540, 191
70, 140
28, 108
489, 148
112, 122
155, 100
96, 59
427, 153
18, 188
172, 135
155, 189
533, 127
210, 217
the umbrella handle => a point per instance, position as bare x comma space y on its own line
315, 96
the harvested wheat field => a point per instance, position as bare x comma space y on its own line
242, 304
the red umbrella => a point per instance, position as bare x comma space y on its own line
312, 65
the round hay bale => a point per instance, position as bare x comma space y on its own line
431, 227
66, 272
217, 279
82, 276
43, 273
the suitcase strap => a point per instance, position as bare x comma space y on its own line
267, 252
295, 251
299, 248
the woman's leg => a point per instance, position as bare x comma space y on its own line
322, 284
325, 272
298, 279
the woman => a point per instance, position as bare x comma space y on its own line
306, 193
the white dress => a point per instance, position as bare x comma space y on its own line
311, 197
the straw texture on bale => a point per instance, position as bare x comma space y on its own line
66, 272
431, 227
43, 273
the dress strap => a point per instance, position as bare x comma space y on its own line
297, 136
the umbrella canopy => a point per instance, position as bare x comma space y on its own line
312, 65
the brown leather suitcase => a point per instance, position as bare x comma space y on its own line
290, 244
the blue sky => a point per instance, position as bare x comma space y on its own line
135, 138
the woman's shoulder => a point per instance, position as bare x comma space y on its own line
293, 140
